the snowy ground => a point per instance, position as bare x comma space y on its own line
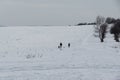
31, 53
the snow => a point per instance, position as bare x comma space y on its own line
31, 53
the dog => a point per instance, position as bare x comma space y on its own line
60, 46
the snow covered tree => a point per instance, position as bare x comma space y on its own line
99, 20
110, 20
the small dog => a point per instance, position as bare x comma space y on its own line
60, 46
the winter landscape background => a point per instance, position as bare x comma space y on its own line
59, 40
31, 53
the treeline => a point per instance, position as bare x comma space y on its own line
99, 20
86, 24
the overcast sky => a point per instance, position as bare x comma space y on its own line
55, 12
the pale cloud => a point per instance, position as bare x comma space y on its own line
54, 12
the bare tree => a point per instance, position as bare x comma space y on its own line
99, 21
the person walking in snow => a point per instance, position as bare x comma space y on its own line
68, 45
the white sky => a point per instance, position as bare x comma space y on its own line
55, 12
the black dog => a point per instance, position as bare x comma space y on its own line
60, 46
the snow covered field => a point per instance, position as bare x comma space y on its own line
31, 53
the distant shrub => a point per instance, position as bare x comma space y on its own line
110, 20
30, 56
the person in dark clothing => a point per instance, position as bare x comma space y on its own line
61, 44
69, 45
